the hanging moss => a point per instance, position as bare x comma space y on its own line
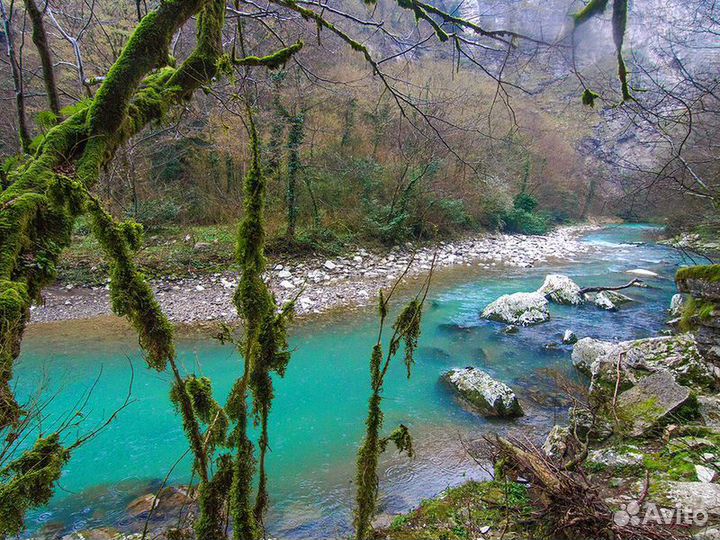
130, 294
593, 8
619, 26
265, 343
406, 331
29, 482
212, 497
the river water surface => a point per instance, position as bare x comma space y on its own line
317, 417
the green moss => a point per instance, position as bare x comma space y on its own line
462, 509
709, 273
29, 482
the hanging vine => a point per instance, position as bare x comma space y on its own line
406, 332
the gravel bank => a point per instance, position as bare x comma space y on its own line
323, 284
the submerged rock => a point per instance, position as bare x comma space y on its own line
569, 337
695, 495
654, 399
522, 309
642, 272
561, 289
488, 396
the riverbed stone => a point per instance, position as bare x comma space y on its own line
560, 289
652, 400
487, 395
521, 308
100, 533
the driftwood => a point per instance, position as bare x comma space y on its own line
632, 283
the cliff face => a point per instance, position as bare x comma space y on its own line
702, 313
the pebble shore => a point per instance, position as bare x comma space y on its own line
323, 284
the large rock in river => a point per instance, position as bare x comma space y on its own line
561, 289
488, 396
519, 308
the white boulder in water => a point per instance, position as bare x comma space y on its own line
561, 290
642, 272
519, 308
603, 301
488, 396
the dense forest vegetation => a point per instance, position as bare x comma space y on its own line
304, 126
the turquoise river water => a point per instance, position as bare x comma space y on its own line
317, 417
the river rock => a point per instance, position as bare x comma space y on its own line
586, 424
617, 298
521, 308
561, 289
603, 301
488, 396
695, 495
587, 350
651, 401
677, 355
614, 459
705, 474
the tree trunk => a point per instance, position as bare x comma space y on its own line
39, 37
23, 132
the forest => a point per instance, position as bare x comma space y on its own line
334, 269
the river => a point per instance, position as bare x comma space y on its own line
317, 417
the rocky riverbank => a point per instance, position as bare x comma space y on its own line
639, 457
322, 284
